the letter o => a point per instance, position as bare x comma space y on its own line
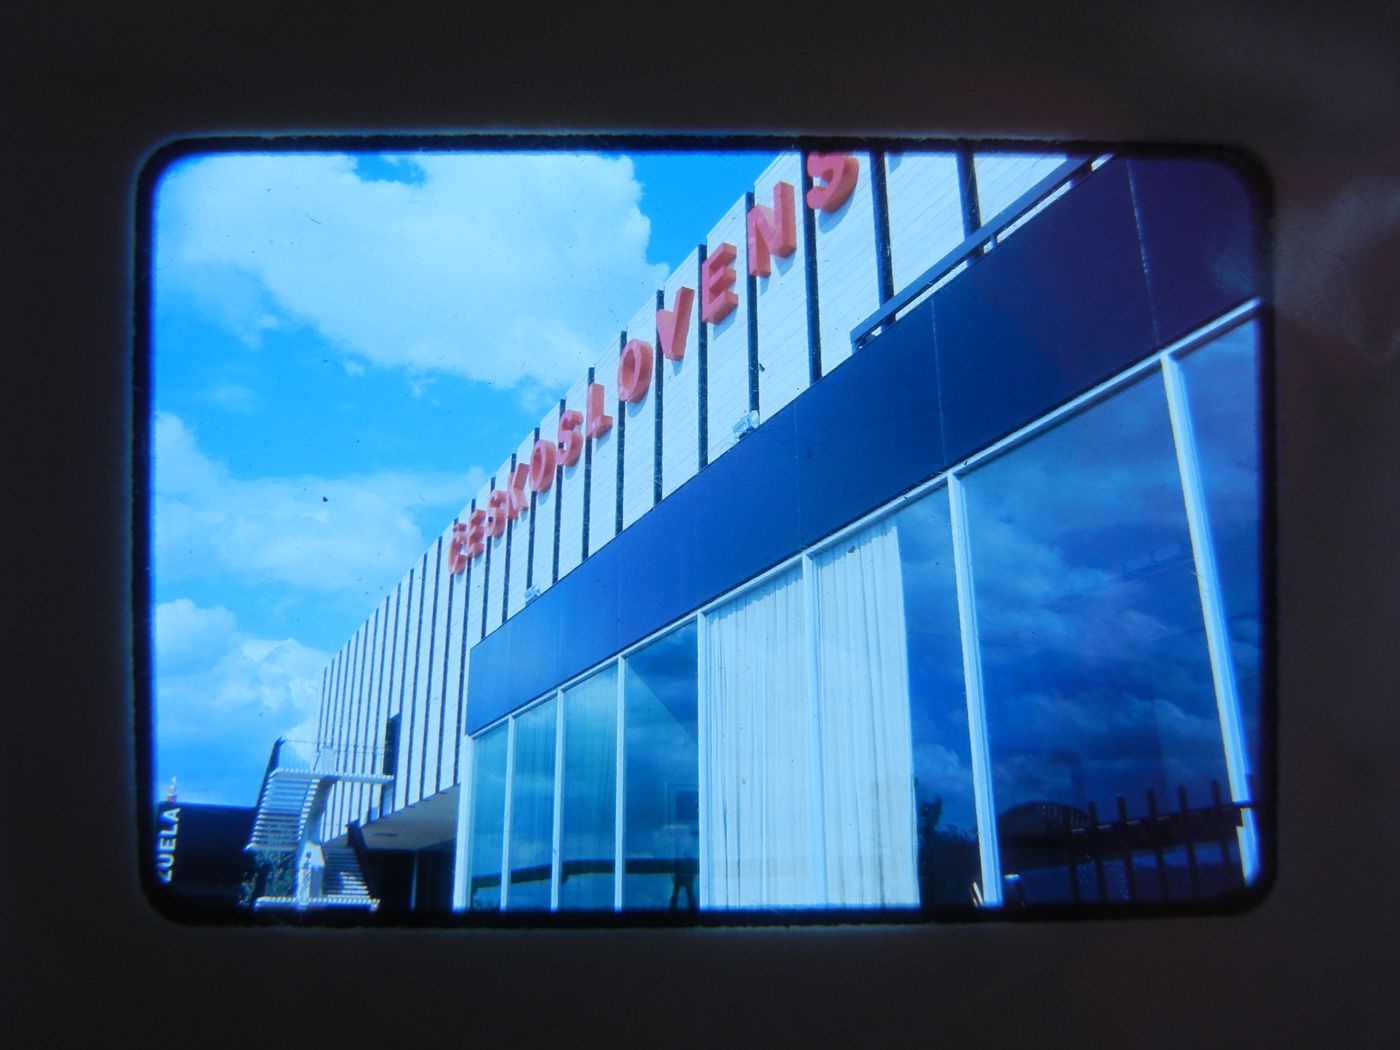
542, 460
634, 371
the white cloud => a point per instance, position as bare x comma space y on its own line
222, 697
234, 396
319, 534
500, 268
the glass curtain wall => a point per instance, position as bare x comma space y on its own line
1024, 694
650, 818
1222, 385
531, 842
588, 793
949, 861
660, 840
488, 817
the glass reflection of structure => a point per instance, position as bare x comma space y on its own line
1093, 608
661, 830
1077, 645
946, 808
588, 793
488, 819
531, 813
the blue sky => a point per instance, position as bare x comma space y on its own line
343, 346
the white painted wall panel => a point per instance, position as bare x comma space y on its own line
784, 368
639, 449
414, 699
925, 209
602, 503
456, 681
728, 354
383, 694
848, 286
437, 694
520, 539
365, 735
330, 735
350, 724
496, 577
412, 586
476, 586
571, 492
544, 511
1002, 177
680, 414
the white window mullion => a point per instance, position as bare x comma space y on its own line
466, 795
706, 816
556, 863
505, 827
620, 801
811, 627
988, 845
1227, 698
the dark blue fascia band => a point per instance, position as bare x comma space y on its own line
1060, 305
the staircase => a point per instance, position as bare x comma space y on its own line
342, 880
290, 804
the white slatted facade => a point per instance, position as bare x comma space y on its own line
476, 586
1002, 177
847, 282
413, 661
371, 736
925, 209
416, 679
639, 449
680, 417
496, 571
393, 661
412, 587
520, 539
781, 301
727, 366
544, 511
602, 500
437, 681
571, 495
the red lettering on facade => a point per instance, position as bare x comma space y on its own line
519, 502
839, 171
570, 440
542, 459
673, 325
599, 422
457, 550
772, 230
634, 371
496, 519
717, 278
476, 533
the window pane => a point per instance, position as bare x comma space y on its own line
1223, 388
1096, 674
532, 809
589, 810
949, 862
662, 823
488, 819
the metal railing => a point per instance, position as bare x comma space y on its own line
325, 758
1069, 173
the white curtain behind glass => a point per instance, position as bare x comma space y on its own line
863, 698
758, 812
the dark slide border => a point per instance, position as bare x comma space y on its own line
87, 94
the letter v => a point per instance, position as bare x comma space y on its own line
674, 325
